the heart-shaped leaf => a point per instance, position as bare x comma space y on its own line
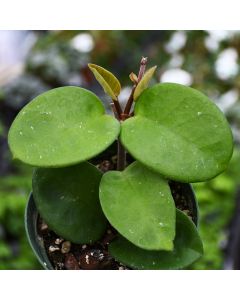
62, 127
107, 80
187, 248
143, 84
178, 132
139, 204
68, 201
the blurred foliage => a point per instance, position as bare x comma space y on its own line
58, 58
15, 252
57, 65
1, 129
23, 89
216, 206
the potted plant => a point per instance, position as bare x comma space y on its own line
114, 190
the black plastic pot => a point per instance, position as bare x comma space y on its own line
37, 243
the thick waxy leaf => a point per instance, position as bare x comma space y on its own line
62, 127
187, 248
68, 201
139, 204
178, 132
107, 80
143, 84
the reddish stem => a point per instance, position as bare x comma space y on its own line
129, 102
117, 108
141, 72
142, 68
121, 155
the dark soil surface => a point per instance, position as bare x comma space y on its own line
65, 255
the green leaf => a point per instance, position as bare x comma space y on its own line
178, 132
144, 82
68, 201
62, 127
187, 248
138, 203
107, 80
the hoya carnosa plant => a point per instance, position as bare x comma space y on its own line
172, 131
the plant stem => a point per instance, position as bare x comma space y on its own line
118, 108
121, 157
142, 68
121, 154
129, 102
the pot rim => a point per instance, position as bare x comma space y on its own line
35, 241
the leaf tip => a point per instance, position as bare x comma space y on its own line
144, 82
90, 65
107, 80
154, 68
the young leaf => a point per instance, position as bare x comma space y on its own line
133, 77
178, 132
107, 80
143, 84
62, 127
138, 203
187, 248
67, 199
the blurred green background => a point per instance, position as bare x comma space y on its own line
34, 61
